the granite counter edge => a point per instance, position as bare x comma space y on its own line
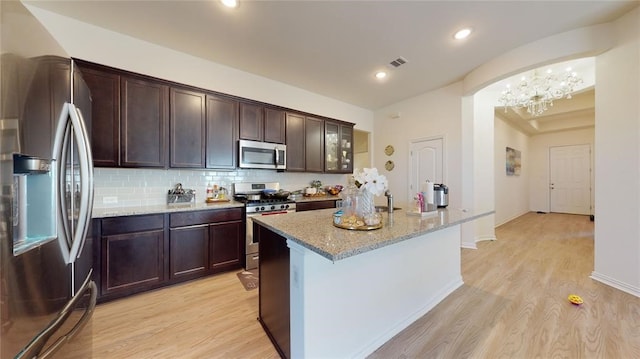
366, 248
142, 210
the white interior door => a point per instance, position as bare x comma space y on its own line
570, 179
426, 163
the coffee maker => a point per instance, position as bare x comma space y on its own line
440, 195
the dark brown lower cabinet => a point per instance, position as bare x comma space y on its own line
226, 250
189, 251
132, 255
313, 205
139, 253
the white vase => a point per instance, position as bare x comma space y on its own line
366, 209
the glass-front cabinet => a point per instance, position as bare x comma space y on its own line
338, 147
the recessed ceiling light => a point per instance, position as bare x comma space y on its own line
462, 34
230, 3
380, 75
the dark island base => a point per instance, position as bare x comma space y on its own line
274, 308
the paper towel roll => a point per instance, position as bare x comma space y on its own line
428, 192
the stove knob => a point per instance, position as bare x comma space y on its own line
273, 207
286, 206
282, 206
262, 208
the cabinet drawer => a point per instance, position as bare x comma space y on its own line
310, 206
201, 217
119, 225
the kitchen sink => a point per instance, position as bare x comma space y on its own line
384, 208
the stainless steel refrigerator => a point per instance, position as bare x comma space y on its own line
47, 295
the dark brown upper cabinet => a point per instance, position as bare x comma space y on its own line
260, 123
222, 132
143, 119
105, 112
251, 122
338, 147
187, 124
140, 121
295, 142
274, 125
305, 143
314, 144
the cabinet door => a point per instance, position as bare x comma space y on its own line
226, 243
311, 206
132, 262
295, 143
222, 132
144, 109
187, 128
274, 125
189, 248
338, 147
346, 148
314, 144
251, 122
105, 115
332, 147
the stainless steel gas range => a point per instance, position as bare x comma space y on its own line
258, 205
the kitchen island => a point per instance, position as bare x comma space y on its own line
330, 292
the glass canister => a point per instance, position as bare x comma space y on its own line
349, 199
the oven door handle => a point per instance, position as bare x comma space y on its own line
272, 213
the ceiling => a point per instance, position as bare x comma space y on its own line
333, 48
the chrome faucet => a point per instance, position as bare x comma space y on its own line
389, 196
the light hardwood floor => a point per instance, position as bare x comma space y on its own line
513, 305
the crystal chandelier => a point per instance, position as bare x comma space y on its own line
536, 93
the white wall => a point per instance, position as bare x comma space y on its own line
617, 136
483, 167
511, 192
435, 113
539, 162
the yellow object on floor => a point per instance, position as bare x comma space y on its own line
575, 299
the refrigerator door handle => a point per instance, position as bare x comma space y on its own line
70, 124
86, 182
51, 350
60, 147
35, 347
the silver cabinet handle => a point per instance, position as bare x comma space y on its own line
277, 156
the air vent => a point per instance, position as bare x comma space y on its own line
398, 62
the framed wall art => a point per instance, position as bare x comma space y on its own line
514, 162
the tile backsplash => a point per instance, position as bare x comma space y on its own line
123, 187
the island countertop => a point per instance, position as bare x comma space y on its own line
314, 230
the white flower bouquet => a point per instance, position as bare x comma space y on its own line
370, 180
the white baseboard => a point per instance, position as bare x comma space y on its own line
616, 284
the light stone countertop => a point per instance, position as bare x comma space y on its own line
315, 230
132, 211
139, 210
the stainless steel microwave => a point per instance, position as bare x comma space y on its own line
254, 154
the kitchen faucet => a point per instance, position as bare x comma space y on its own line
389, 196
